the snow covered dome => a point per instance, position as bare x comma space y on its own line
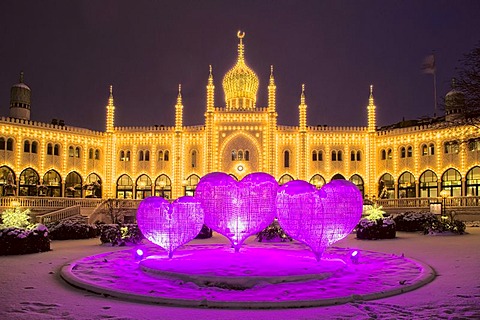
240, 83
20, 100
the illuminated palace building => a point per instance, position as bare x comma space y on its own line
406, 160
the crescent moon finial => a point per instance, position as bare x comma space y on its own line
240, 34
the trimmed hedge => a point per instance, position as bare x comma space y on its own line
71, 228
21, 241
376, 229
120, 234
414, 221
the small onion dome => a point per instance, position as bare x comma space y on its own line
454, 101
20, 100
240, 83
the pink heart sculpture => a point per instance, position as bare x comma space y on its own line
234, 209
170, 225
319, 218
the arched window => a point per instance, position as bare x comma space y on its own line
284, 179
34, 146
389, 154
9, 144
56, 150
122, 155
431, 149
140, 155
473, 182
52, 184
358, 181
29, 180
77, 152
90, 153
352, 155
26, 146
127, 156
286, 159
406, 185
428, 185
320, 155
359, 156
2, 143
409, 151
402, 152
97, 154
7, 181
49, 149
194, 158
452, 182
125, 187
93, 186
160, 155
317, 180
71, 152
334, 155
247, 155
147, 155
166, 155
424, 150
190, 184
451, 147
383, 154
338, 176
340, 156
240, 155
314, 155
163, 187
73, 185
143, 187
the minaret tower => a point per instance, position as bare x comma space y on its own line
302, 129
209, 125
179, 111
371, 154
110, 112
272, 125
20, 100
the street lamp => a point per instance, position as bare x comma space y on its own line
444, 194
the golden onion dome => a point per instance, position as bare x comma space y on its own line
240, 83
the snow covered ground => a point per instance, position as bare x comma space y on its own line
31, 287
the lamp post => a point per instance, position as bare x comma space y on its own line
444, 194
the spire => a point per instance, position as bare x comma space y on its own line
454, 83
272, 79
210, 90
210, 74
372, 122
21, 76
302, 96
179, 111
179, 96
271, 92
241, 49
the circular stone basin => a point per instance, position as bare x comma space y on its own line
223, 268
282, 275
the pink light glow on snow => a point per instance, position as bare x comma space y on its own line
319, 218
170, 225
237, 210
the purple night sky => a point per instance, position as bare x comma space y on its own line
71, 51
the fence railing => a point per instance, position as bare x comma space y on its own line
45, 203
449, 202
59, 214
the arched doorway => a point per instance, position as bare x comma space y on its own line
386, 187
8, 186
163, 186
428, 184
73, 185
284, 179
190, 184
52, 184
317, 180
338, 176
143, 187
125, 187
93, 186
29, 180
406, 185
358, 181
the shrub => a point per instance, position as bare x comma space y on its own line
204, 233
120, 234
414, 221
448, 224
273, 233
383, 228
16, 218
71, 228
20, 241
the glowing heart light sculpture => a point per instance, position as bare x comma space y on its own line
319, 217
170, 225
237, 209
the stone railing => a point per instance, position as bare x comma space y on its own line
45, 203
59, 214
450, 202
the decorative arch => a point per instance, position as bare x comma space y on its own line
125, 187
143, 187
8, 185
428, 183
163, 186
358, 181
284, 179
255, 161
29, 179
317, 180
452, 182
406, 185
473, 181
